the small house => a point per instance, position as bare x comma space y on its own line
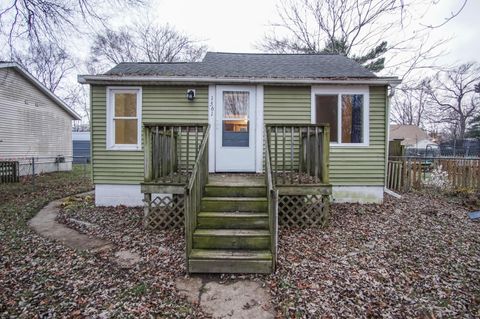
36, 124
416, 141
237, 144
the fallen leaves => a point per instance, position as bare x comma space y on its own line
406, 258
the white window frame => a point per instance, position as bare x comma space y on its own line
339, 91
110, 119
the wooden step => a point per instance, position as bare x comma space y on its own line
234, 204
231, 239
230, 261
235, 220
235, 191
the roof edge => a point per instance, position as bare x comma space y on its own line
41, 87
102, 79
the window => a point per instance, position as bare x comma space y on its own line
235, 118
124, 118
345, 111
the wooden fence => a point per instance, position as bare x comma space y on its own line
9, 172
403, 174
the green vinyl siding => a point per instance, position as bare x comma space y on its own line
282, 104
357, 166
161, 104
286, 105
354, 166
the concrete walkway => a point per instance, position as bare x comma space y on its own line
45, 224
242, 299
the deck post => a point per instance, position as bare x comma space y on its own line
147, 148
326, 154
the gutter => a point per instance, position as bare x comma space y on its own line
110, 79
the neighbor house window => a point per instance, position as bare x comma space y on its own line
124, 118
346, 112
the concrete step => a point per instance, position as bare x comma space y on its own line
230, 261
235, 191
232, 220
234, 204
250, 239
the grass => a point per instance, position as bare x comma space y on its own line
43, 278
21, 201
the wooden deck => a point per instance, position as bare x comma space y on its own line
231, 219
236, 179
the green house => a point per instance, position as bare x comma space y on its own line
237, 144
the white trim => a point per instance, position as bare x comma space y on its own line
259, 130
358, 194
110, 142
211, 120
339, 90
102, 79
41, 87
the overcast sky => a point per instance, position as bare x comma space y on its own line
235, 26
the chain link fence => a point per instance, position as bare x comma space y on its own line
29, 167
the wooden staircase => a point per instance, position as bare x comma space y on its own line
232, 230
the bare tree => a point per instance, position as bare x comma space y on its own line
147, 42
76, 96
114, 46
410, 104
453, 92
48, 63
364, 30
46, 19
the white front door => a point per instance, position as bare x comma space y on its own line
235, 129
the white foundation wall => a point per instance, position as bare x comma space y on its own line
130, 195
127, 195
114, 195
358, 194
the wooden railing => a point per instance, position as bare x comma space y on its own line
299, 153
272, 196
194, 191
171, 151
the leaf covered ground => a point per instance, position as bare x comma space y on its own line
414, 257
42, 278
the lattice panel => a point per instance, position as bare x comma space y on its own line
165, 212
303, 210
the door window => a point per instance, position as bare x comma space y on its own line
235, 122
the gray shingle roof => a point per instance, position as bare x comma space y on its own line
252, 65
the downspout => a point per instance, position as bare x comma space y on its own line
388, 96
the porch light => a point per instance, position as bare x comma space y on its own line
190, 94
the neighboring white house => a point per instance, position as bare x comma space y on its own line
34, 123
